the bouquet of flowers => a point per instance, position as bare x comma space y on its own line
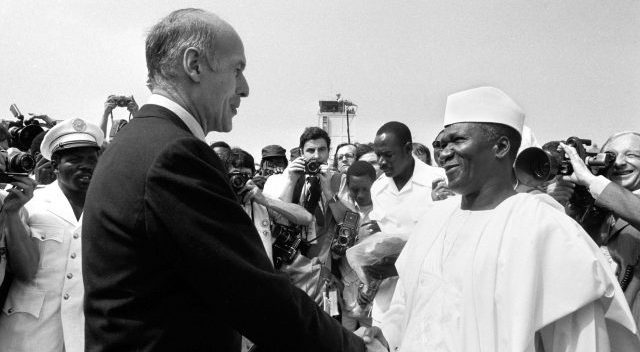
372, 259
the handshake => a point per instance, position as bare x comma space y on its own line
373, 339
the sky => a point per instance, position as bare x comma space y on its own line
573, 66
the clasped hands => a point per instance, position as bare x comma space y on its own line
373, 339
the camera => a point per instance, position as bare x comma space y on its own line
286, 245
20, 162
346, 233
238, 180
121, 100
535, 166
22, 133
312, 167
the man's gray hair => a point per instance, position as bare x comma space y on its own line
616, 135
169, 39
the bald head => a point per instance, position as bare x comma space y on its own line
168, 40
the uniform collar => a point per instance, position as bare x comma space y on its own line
184, 115
57, 203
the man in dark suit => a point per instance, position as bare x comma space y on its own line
171, 261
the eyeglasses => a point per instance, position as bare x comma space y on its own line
346, 155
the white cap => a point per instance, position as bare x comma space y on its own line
74, 133
483, 104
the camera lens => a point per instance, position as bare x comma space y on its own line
312, 167
343, 240
22, 162
237, 181
540, 169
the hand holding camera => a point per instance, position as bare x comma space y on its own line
19, 194
301, 166
109, 105
122, 101
581, 174
132, 106
251, 191
296, 168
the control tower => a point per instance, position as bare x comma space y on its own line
336, 118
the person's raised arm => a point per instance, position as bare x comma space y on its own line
622, 202
109, 105
295, 213
23, 254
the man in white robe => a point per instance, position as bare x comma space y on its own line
498, 271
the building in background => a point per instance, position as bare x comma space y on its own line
336, 117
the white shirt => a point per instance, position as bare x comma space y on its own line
397, 212
184, 115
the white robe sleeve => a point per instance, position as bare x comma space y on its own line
582, 331
393, 321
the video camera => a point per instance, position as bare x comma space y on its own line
22, 133
536, 166
346, 233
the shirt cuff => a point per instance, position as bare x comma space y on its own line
598, 185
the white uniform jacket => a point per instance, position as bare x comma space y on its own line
45, 313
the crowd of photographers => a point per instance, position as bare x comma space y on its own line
324, 214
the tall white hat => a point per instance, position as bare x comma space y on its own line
483, 104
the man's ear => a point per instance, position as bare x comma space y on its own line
192, 63
54, 166
502, 147
408, 148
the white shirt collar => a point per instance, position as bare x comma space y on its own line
184, 115
423, 175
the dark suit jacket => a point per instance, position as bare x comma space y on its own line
172, 263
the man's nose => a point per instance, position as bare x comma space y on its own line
445, 154
243, 86
621, 160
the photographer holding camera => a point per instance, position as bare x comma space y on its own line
43, 310
618, 193
307, 181
274, 161
112, 102
259, 207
